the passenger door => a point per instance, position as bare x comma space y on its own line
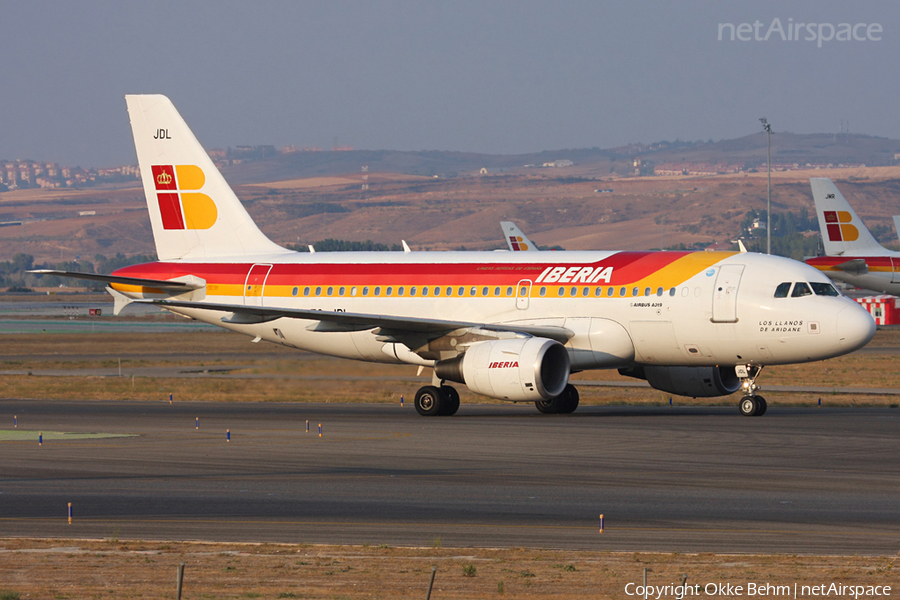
523, 293
724, 307
255, 284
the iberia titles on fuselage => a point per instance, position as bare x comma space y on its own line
510, 325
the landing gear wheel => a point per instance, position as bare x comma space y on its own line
551, 406
749, 406
451, 401
762, 406
429, 401
570, 399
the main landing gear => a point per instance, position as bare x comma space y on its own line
751, 405
434, 401
565, 403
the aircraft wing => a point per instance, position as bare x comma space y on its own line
345, 321
179, 287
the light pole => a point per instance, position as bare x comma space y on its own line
768, 129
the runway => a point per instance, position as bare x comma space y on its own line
820, 481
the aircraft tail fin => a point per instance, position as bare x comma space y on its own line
193, 211
843, 232
515, 239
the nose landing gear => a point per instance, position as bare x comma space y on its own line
751, 405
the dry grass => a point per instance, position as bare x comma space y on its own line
134, 569
266, 372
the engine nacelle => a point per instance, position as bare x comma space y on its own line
521, 369
696, 382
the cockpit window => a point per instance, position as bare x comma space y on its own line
824, 289
782, 290
801, 289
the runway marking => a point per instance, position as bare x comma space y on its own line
20, 435
591, 528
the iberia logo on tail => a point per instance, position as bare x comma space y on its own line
180, 206
517, 243
839, 227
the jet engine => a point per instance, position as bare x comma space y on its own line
696, 382
521, 369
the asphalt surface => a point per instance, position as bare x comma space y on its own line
820, 481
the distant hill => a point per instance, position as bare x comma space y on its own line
748, 151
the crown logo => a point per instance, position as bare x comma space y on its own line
164, 178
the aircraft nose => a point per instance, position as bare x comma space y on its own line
855, 327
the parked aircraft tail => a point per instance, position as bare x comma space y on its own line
843, 232
194, 213
515, 239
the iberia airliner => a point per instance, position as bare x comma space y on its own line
509, 325
852, 254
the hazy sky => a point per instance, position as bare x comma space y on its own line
483, 76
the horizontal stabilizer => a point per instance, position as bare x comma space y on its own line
857, 266
178, 287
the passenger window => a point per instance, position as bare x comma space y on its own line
366, 291
295, 291
437, 291
584, 291
543, 291
412, 291
622, 291
610, 291
562, 292
635, 291
306, 291
318, 291
473, 291
509, 291
484, 291
800, 290
424, 291
459, 292
659, 291
646, 291
782, 290
671, 291
824, 289
573, 291
341, 292
496, 291
598, 292
389, 291
330, 291
400, 291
